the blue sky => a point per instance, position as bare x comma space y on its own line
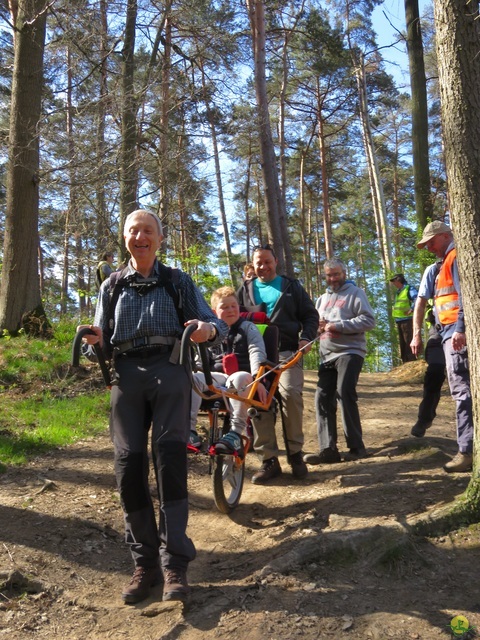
388, 21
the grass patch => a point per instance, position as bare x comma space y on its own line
342, 557
34, 425
401, 558
43, 406
25, 360
417, 449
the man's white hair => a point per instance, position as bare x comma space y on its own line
148, 213
332, 263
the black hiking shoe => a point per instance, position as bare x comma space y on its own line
418, 429
355, 454
299, 468
327, 456
231, 443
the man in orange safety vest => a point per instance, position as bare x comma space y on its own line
438, 239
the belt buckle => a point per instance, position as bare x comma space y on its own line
140, 342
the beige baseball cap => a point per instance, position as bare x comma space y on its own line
431, 230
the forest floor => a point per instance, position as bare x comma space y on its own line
327, 557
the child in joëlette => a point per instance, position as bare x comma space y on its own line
245, 343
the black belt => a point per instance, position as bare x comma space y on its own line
144, 342
145, 352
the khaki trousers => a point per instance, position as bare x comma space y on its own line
290, 389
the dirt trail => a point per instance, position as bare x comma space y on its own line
321, 558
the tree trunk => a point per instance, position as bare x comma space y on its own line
327, 218
457, 25
247, 207
301, 195
73, 213
397, 235
164, 122
267, 150
418, 84
282, 146
66, 264
376, 189
20, 287
102, 223
69, 211
218, 175
128, 153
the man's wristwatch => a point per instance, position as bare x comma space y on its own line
213, 332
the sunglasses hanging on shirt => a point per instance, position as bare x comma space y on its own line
143, 285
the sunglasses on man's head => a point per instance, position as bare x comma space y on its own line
265, 247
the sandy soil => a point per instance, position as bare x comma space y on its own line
326, 557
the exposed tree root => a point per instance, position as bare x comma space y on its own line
455, 515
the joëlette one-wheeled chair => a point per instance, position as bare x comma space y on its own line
228, 471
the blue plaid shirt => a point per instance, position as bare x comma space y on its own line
154, 313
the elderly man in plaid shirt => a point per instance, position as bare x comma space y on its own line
152, 391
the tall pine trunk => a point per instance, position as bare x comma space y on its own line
20, 300
418, 84
267, 150
102, 223
457, 26
128, 153
218, 175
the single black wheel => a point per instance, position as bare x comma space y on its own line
228, 476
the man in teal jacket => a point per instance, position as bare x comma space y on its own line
290, 308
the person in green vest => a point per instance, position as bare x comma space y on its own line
402, 312
104, 268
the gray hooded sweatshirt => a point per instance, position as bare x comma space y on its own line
352, 314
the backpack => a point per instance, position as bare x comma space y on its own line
410, 297
99, 275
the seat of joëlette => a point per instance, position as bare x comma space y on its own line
270, 334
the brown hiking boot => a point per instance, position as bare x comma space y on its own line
270, 469
461, 462
139, 586
176, 585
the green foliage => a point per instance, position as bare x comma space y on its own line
64, 331
203, 267
311, 360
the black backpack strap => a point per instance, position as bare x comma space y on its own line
170, 278
117, 280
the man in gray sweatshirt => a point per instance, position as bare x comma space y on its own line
345, 316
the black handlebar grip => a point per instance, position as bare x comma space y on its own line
76, 349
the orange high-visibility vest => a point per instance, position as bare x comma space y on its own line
446, 296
